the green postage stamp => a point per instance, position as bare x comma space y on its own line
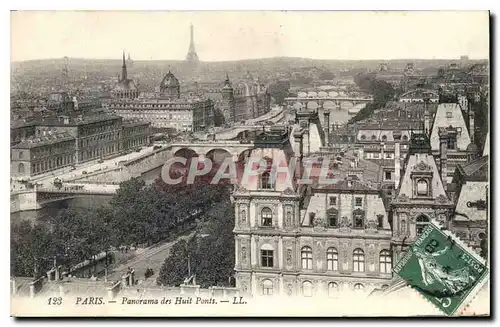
442, 269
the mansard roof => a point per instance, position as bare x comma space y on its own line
476, 170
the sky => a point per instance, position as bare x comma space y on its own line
225, 36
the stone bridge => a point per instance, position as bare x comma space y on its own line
148, 162
326, 102
37, 197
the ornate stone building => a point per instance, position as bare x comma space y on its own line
420, 196
318, 240
167, 108
246, 100
96, 137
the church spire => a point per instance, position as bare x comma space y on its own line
124, 68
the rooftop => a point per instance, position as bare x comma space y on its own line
419, 143
132, 123
77, 120
37, 141
476, 169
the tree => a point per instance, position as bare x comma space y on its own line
327, 76
210, 251
279, 91
381, 90
32, 248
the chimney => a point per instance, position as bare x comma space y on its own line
427, 123
326, 113
397, 160
471, 126
361, 153
443, 149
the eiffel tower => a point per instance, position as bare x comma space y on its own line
192, 56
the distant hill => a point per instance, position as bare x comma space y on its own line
81, 63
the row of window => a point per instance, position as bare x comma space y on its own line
96, 139
358, 215
332, 259
307, 288
96, 152
51, 149
94, 129
358, 201
383, 138
47, 165
159, 117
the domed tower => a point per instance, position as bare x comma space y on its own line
170, 86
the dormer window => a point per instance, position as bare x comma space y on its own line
265, 181
449, 114
422, 187
384, 137
405, 138
374, 137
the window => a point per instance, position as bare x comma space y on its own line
266, 217
333, 288
333, 200
451, 143
380, 221
422, 187
332, 215
307, 288
388, 155
358, 217
265, 181
376, 155
358, 260
306, 255
332, 259
421, 222
388, 175
359, 202
267, 287
385, 262
21, 154
267, 258
358, 287
312, 215
403, 227
20, 168
358, 220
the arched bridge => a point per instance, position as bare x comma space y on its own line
326, 102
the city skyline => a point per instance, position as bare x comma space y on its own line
165, 35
